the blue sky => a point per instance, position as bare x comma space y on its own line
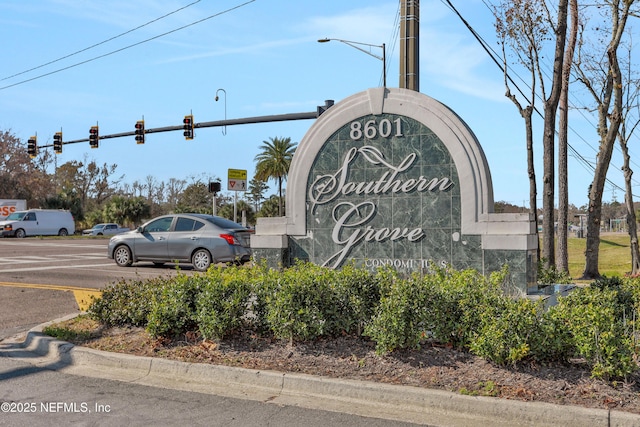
261, 58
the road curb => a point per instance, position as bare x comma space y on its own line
400, 403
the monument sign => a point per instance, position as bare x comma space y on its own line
392, 177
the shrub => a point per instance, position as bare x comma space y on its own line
462, 295
221, 302
464, 309
126, 302
173, 308
264, 283
552, 275
298, 305
399, 321
508, 331
595, 320
442, 306
356, 294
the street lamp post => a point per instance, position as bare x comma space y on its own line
224, 130
357, 45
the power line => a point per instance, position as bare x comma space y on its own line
130, 46
101, 43
491, 54
393, 40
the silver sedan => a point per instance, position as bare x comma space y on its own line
197, 239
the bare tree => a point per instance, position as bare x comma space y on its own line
174, 189
526, 24
520, 29
604, 83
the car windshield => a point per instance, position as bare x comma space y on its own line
16, 216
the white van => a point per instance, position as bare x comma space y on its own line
38, 222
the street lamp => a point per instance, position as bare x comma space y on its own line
224, 129
357, 45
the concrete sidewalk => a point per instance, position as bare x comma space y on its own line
401, 403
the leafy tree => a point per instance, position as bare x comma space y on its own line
226, 211
270, 207
273, 162
195, 198
94, 184
20, 176
257, 188
126, 210
506, 207
66, 200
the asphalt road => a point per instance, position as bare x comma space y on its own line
72, 262
41, 396
40, 278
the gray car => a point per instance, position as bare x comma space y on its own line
197, 239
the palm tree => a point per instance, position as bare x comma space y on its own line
274, 162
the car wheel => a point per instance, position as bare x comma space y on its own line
201, 260
20, 234
158, 263
122, 256
99, 234
63, 232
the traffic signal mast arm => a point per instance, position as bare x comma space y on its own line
217, 123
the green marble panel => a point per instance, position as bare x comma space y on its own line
424, 156
517, 261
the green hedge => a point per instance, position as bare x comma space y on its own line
462, 309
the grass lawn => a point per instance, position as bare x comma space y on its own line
614, 255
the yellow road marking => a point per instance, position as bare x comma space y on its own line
83, 296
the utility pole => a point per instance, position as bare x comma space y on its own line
410, 44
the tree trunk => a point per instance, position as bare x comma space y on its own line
533, 190
279, 196
548, 140
562, 257
594, 213
631, 214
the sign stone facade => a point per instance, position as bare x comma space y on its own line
392, 177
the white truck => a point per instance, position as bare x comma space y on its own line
9, 206
104, 229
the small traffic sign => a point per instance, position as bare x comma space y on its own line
237, 180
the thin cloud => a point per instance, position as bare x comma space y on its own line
252, 48
368, 25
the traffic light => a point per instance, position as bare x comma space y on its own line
214, 187
140, 132
32, 146
93, 137
57, 142
188, 127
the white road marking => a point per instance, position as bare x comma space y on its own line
57, 258
53, 267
